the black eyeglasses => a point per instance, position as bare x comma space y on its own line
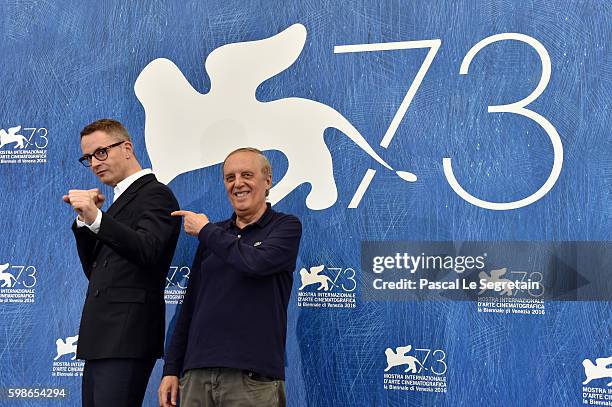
101, 154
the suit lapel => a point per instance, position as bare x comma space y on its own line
123, 200
129, 194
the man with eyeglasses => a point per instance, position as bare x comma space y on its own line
125, 252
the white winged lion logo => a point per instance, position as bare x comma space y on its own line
186, 130
6, 278
12, 137
400, 357
495, 277
602, 369
67, 347
313, 277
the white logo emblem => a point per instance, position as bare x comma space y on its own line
186, 130
495, 278
66, 347
5, 276
400, 357
315, 278
602, 369
12, 137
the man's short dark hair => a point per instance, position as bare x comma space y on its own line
111, 127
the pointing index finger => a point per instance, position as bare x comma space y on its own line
180, 213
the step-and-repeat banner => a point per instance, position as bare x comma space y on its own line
450, 162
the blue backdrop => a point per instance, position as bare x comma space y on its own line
66, 64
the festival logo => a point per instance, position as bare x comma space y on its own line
511, 292
229, 116
313, 277
490, 281
7, 278
422, 371
12, 137
65, 363
66, 347
400, 357
176, 284
327, 287
597, 375
17, 283
26, 145
602, 369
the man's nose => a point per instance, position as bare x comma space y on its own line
95, 162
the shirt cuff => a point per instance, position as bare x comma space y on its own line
204, 231
95, 226
171, 369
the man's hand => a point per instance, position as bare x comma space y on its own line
85, 203
168, 390
193, 222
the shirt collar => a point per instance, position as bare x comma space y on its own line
125, 184
263, 219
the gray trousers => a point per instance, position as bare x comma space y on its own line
225, 387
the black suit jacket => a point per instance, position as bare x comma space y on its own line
126, 263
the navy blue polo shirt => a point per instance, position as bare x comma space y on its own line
235, 309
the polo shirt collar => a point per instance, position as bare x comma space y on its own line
262, 221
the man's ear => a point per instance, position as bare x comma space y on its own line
129, 149
269, 182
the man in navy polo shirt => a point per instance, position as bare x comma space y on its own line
228, 344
